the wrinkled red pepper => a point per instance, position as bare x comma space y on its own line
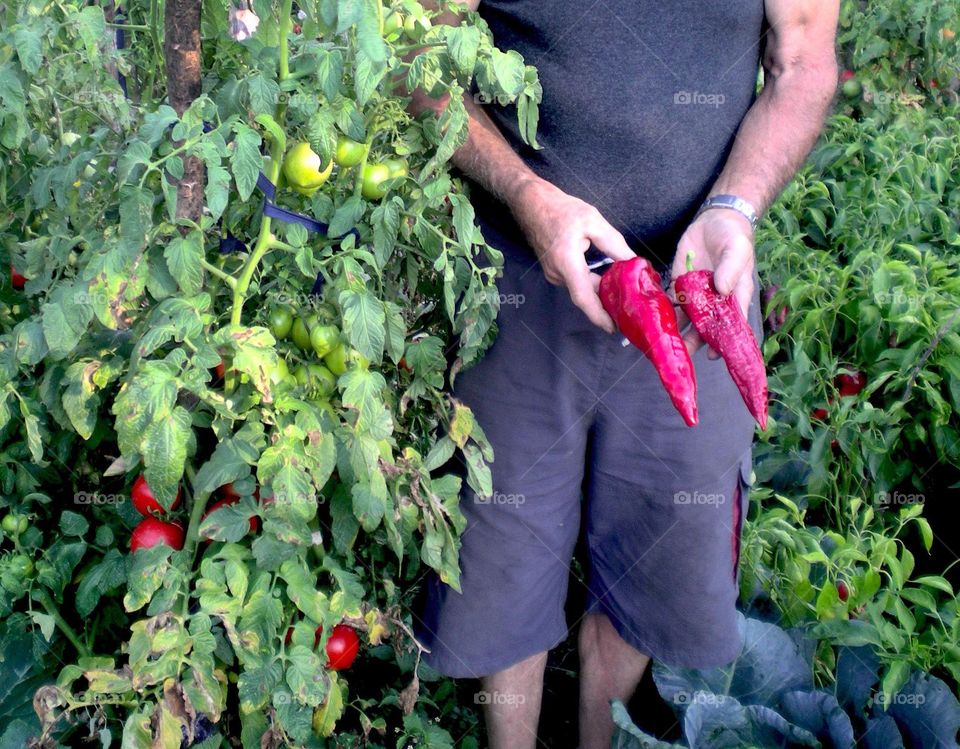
723, 327
631, 294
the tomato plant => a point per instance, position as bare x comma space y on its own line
110, 358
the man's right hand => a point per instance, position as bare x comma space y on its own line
560, 228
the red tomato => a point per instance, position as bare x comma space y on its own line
842, 591
143, 499
227, 490
231, 500
151, 532
220, 370
342, 647
851, 384
820, 413
846, 75
17, 279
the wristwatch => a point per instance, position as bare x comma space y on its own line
733, 203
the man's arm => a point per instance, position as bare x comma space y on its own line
800, 78
558, 226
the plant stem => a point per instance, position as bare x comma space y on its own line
51, 608
215, 271
264, 238
157, 45
197, 508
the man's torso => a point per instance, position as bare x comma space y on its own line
641, 103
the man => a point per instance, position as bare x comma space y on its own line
649, 114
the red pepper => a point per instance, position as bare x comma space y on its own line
631, 294
723, 327
850, 384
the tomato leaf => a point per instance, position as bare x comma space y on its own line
370, 501
27, 42
245, 160
363, 319
183, 255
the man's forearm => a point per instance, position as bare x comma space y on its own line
776, 136
782, 126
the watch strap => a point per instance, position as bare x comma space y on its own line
733, 203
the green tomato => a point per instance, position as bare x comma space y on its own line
302, 168
281, 321
69, 138
336, 360
21, 565
397, 167
323, 338
392, 26
852, 88
414, 26
374, 175
14, 524
321, 380
280, 373
301, 331
349, 152
317, 378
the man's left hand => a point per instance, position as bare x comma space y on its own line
722, 241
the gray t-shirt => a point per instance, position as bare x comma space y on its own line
641, 103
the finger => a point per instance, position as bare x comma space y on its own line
608, 240
692, 340
744, 293
735, 260
583, 293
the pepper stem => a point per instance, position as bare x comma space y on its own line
689, 260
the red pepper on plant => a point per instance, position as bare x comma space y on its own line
17, 279
850, 384
631, 294
723, 327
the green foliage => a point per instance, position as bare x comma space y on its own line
336, 504
862, 280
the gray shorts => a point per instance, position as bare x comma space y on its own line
581, 426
